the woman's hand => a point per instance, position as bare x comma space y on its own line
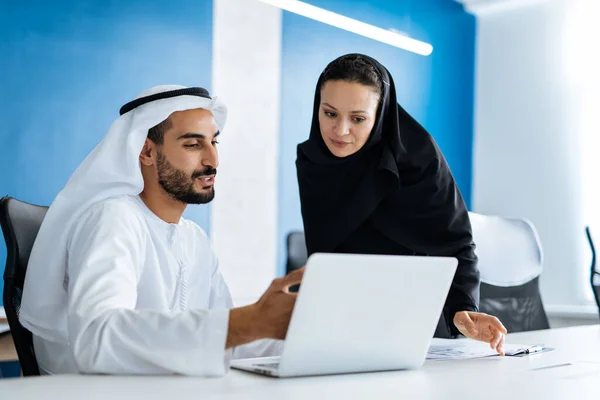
482, 327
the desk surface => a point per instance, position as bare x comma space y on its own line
506, 378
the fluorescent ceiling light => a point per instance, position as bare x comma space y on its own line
352, 25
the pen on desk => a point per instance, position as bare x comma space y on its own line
534, 349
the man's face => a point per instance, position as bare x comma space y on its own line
187, 160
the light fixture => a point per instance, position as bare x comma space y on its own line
352, 25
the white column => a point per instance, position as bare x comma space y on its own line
246, 75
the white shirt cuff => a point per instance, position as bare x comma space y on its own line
217, 359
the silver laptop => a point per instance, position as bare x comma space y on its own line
360, 313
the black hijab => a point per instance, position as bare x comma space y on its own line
399, 182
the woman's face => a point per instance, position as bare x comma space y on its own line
346, 116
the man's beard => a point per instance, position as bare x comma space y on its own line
179, 186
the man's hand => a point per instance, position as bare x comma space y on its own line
269, 317
274, 308
482, 327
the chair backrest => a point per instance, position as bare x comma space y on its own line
20, 225
594, 271
510, 262
296, 251
509, 250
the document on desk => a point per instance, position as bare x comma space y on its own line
447, 350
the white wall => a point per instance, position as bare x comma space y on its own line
246, 75
536, 126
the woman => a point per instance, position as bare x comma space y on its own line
373, 181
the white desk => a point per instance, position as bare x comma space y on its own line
508, 378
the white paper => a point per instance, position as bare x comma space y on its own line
446, 350
4, 328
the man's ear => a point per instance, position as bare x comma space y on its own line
147, 156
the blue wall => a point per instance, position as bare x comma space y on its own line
68, 65
437, 90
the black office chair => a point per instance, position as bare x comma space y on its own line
296, 254
296, 251
594, 272
20, 225
510, 262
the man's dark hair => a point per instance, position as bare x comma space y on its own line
157, 132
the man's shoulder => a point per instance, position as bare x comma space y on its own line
121, 209
117, 218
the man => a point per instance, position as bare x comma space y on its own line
118, 282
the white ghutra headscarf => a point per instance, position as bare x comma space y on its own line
111, 169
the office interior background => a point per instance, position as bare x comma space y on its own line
511, 93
